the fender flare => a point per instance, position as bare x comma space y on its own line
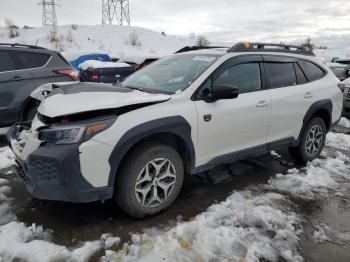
175, 125
26, 103
325, 104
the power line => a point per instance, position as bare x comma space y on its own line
115, 10
49, 17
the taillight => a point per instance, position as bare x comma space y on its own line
95, 76
73, 74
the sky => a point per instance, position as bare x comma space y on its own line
220, 19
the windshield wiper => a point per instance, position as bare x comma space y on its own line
134, 88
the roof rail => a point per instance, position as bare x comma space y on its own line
194, 48
266, 47
21, 45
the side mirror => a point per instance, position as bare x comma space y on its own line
221, 91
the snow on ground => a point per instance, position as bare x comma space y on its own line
318, 178
344, 122
324, 233
20, 242
247, 226
7, 159
112, 39
244, 227
338, 140
250, 225
117, 40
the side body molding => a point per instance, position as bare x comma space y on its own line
175, 125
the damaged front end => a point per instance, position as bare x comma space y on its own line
48, 156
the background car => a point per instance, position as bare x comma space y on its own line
79, 57
104, 72
341, 71
346, 92
22, 69
344, 61
115, 57
139, 61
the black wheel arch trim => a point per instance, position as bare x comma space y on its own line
28, 102
325, 104
175, 125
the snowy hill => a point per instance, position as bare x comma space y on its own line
113, 39
124, 40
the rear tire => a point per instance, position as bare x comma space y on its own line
312, 141
149, 180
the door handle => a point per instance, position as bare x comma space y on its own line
262, 104
308, 95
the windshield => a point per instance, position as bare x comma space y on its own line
171, 74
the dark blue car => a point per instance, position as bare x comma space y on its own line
104, 72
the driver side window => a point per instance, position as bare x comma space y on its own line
246, 77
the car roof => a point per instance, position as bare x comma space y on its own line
26, 49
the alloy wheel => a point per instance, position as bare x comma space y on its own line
155, 182
314, 140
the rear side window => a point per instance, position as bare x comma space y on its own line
280, 74
32, 60
246, 77
312, 71
6, 62
301, 78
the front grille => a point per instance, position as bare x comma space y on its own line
45, 169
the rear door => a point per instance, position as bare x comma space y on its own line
40, 65
15, 86
291, 96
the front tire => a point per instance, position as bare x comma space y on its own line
312, 141
149, 180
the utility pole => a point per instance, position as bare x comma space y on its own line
115, 10
49, 17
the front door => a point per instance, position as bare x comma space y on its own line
233, 125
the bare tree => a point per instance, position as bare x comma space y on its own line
202, 41
134, 39
308, 44
13, 29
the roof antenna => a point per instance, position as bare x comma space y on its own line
36, 43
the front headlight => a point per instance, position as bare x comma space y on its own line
73, 134
62, 135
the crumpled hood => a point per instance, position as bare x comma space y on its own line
86, 97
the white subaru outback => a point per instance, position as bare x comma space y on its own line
181, 115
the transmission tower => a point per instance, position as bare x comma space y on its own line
115, 10
49, 17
